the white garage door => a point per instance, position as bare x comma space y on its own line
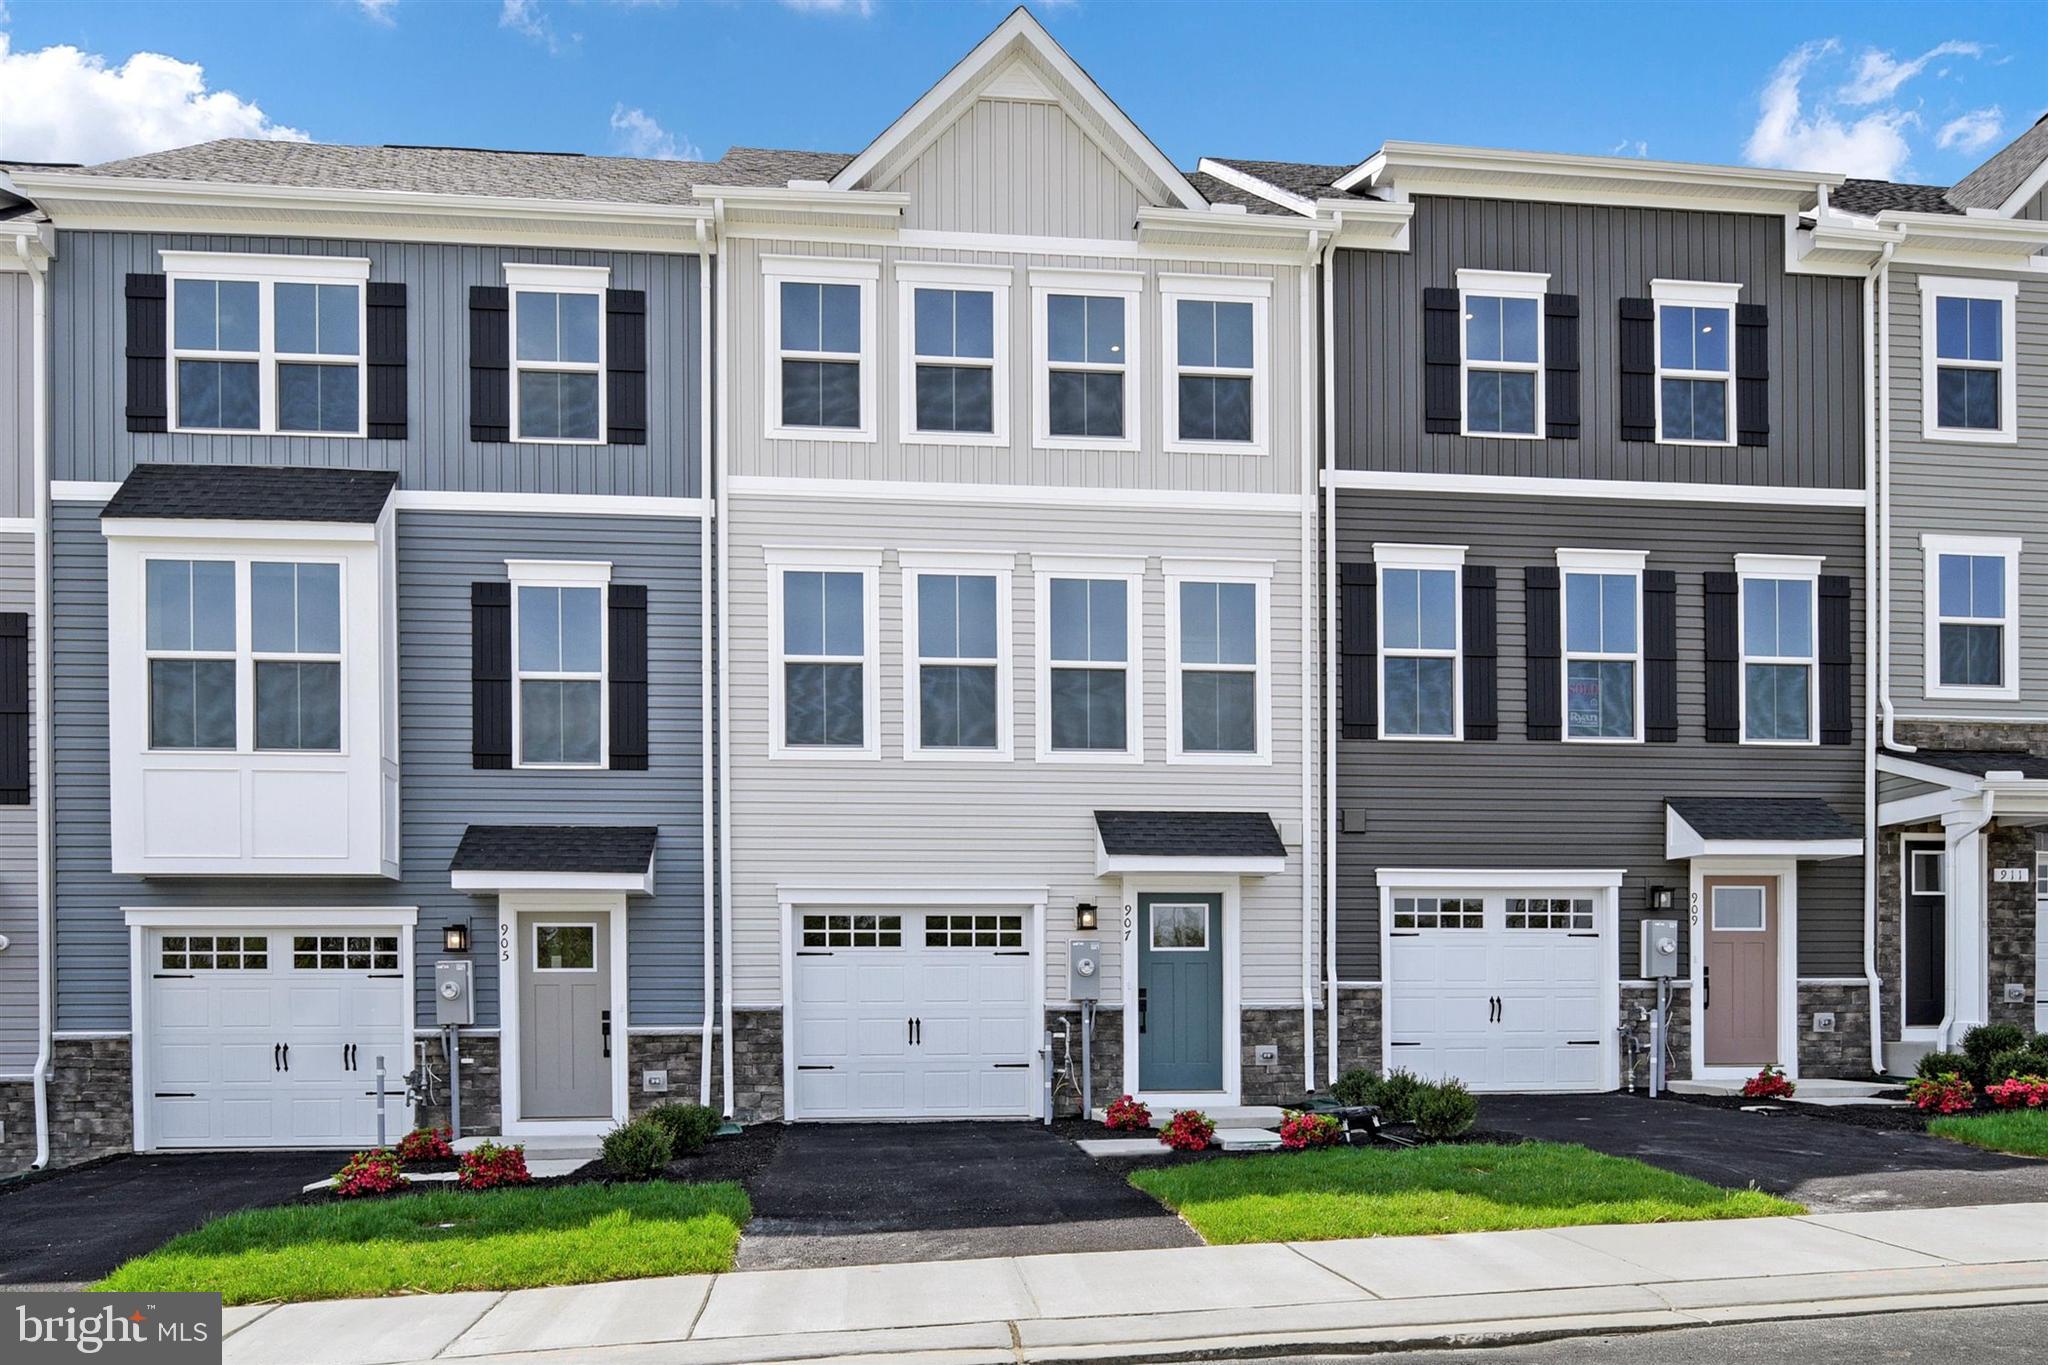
270, 1038
1503, 992
910, 1014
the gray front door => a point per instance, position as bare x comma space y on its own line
1180, 992
565, 1000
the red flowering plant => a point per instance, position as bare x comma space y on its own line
372, 1172
2019, 1092
1947, 1093
1128, 1113
427, 1144
1299, 1131
1189, 1130
487, 1166
1768, 1084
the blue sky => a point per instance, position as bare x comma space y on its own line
1919, 91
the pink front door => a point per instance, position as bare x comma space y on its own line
1739, 934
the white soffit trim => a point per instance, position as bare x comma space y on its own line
1045, 495
226, 529
631, 883
555, 504
1498, 879
888, 893
1683, 843
1622, 490
1411, 168
187, 917
1142, 864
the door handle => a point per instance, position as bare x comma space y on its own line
1141, 1009
909, 1032
918, 1026
344, 1056
1706, 986
287, 1056
607, 1027
275, 1065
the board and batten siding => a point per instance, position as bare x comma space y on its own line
1601, 255
1019, 461
18, 891
1016, 822
1017, 166
1967, 488
1516, 803
90, 439
439, 555
17, 394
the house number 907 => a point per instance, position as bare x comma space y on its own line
1130, 922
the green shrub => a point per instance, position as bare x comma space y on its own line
1355, 1087
1443, 1111
689, 1126
637, 1150
1987, 1041
1395, 1094
2017, 1061
1938, 1064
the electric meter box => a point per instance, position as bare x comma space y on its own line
1660, 948
1084, 969
454, 1002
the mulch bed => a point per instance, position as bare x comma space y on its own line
1080, 1130
1883, 1117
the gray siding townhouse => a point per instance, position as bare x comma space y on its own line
1963, 671
1594, 506
1013, 532
378, 639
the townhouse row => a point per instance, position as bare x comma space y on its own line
785, 631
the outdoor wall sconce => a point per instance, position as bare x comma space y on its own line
1084, 916
1661, 898
455, 938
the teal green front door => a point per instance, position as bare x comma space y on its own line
1180, 993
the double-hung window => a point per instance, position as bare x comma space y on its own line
560, 707
558, 390
1214, 334
189, 636
1967, 336
1972, 616
266, 343
1501, 317
1085, 341
1217, 646
1418, 644
1603, 643
819, 319
955, 361
956, 661
1089, 658
1695, 361
1779, 680
823, 689
295, 626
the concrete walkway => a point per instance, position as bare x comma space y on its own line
1496, 1286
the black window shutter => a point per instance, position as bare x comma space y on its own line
1544, 652
1358, 648
490, 363
384, 351
1442, 404
490, 674
628, 629
1482, 680
1724, 660
1637, 341
149, 380
1660, 656
1753, 375
1561, 366
14, 708
625, 366
1837, 717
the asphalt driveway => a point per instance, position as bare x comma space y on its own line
1830, 1167
74, 1227
869, 1193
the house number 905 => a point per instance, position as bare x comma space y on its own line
504, 941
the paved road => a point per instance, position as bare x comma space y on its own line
1830, 1167
866, 1193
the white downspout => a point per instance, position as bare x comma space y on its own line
1884, 499
706, 637
46, 899
1327, 459
1877, 386
1310, 845
724, 791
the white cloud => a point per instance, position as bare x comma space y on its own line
61, 104
1878, 76
526, 16
1971, 132
1787, 134
864, 8
378, 11
636, 133
1630, 146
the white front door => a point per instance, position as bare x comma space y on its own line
270, 1038
912, 1014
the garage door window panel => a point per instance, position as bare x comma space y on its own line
974, 931
852, 931
214, 952
1439, 912
345, 952
1550, 912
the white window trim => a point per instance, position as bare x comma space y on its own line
1173, 291
868, 564
1569, 562
1451, 557
1116, 284
1933, 288
992, 279
267, 272
533, 948
1933, 548
558, 279
777, 271
1131, 572
1258, 573
1694, 294
1516, 284
984, 564
1800, 568
542, 573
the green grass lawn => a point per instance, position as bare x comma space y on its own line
431, 1243
1392, 1192
2021, 1131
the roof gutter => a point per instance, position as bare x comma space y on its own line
36, 259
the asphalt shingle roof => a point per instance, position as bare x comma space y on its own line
1311, 180
1992, 183
1874, 196
1761, 817
1189, 833
772, 166
227, 492
1223, 192
554, 848
1978, 762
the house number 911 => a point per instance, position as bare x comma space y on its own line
2010, 874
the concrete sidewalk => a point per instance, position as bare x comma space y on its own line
1132, 1304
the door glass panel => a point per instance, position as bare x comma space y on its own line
564, 947
1180, 927
1739, 909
